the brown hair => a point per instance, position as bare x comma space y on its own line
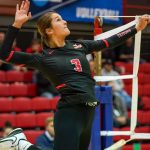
43, 23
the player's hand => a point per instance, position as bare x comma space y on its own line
143, 22
22, 14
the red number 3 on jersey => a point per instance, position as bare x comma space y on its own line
77, 64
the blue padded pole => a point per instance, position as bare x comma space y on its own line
106, 114
104, 95
95, 138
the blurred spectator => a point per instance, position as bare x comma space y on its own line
127, 51
4, 66
35, 46
90, 58
108, 54
117, 85
15, 48
45, 88
2, 36
7, 128
92, 67
46, 140
120, 114
19, 68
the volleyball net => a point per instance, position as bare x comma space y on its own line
102, 137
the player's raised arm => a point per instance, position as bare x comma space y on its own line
22, 14
6, 53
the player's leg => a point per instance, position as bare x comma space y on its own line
68, 124
86, 134
16, 139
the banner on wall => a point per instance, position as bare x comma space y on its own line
80, 10
39, 7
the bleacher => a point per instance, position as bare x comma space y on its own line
144, 93
20, 104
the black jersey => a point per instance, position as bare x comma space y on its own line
66, 67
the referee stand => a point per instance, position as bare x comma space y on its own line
103, 120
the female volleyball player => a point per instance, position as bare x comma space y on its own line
64, 63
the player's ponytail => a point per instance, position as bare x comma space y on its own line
44, 43
43, 23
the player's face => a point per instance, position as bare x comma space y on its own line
59, 26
